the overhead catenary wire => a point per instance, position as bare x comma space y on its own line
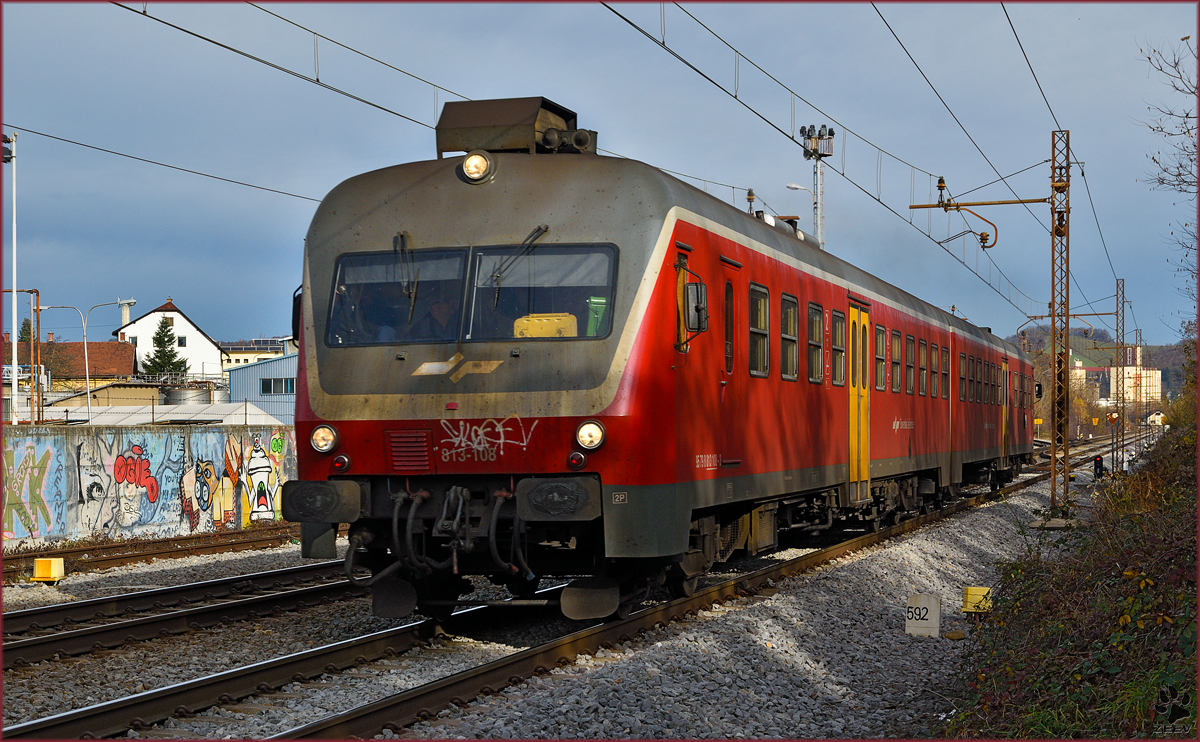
272, 65
976, 144
161, 164
955, 117
374, 59
1082, 171
770, 123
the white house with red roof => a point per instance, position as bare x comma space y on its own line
201, 352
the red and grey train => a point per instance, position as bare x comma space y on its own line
531, 360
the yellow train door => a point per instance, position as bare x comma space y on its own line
860, 404
1004, 414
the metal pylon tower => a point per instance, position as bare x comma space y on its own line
1119, 378
1060, 317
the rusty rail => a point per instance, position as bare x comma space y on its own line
105, 636
83, 558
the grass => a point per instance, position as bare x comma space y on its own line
1095, 635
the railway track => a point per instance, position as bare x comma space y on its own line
138, 711
85, 558
403, 709
83, 626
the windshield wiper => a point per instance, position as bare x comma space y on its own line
525, 249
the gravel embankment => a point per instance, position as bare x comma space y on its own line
826, 656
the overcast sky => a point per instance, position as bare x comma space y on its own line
93, 226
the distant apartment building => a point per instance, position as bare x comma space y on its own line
203, 355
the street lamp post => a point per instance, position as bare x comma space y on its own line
10, 156
816, 214
83, 318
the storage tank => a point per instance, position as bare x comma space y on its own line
201, 395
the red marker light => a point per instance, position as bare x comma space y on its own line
452, 405
576, 460
341, 462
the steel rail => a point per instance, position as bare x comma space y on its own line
122, 553
16, 622
140, 710
423, 702
183, 699
35, 649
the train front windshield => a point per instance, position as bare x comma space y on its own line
552, 292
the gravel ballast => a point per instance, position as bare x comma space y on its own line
826, 656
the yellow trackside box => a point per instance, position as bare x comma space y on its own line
977, 599
546, 326
48, 570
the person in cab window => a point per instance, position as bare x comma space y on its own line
440, 321
384, 307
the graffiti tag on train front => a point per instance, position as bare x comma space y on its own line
485, 441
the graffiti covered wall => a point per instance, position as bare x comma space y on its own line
141, 481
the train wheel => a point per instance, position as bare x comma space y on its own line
875, 524
683, 588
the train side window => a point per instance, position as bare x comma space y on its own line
896, 361
986, 375
933, 371
962, 377
991, 377
970, 378
789, 337
838, 351
854, 351
864, 350
880, 358
760, 326
816, 365
910, 352
728, 327
923, 365
945, 372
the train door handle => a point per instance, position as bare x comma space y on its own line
723, 383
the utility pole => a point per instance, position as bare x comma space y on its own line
10, 156
1060, 317
818, 144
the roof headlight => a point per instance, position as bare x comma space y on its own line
478, 166
590, 435
324, 438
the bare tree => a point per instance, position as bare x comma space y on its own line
1174, 166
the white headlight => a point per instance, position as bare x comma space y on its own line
324, 438
590, 435
477, 166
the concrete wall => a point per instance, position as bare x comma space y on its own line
63, 483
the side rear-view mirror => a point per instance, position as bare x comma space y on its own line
696, 307
296, 303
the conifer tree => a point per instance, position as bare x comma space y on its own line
164, 359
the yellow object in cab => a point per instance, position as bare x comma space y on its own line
561, 325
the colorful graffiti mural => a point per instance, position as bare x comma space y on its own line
70, 483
